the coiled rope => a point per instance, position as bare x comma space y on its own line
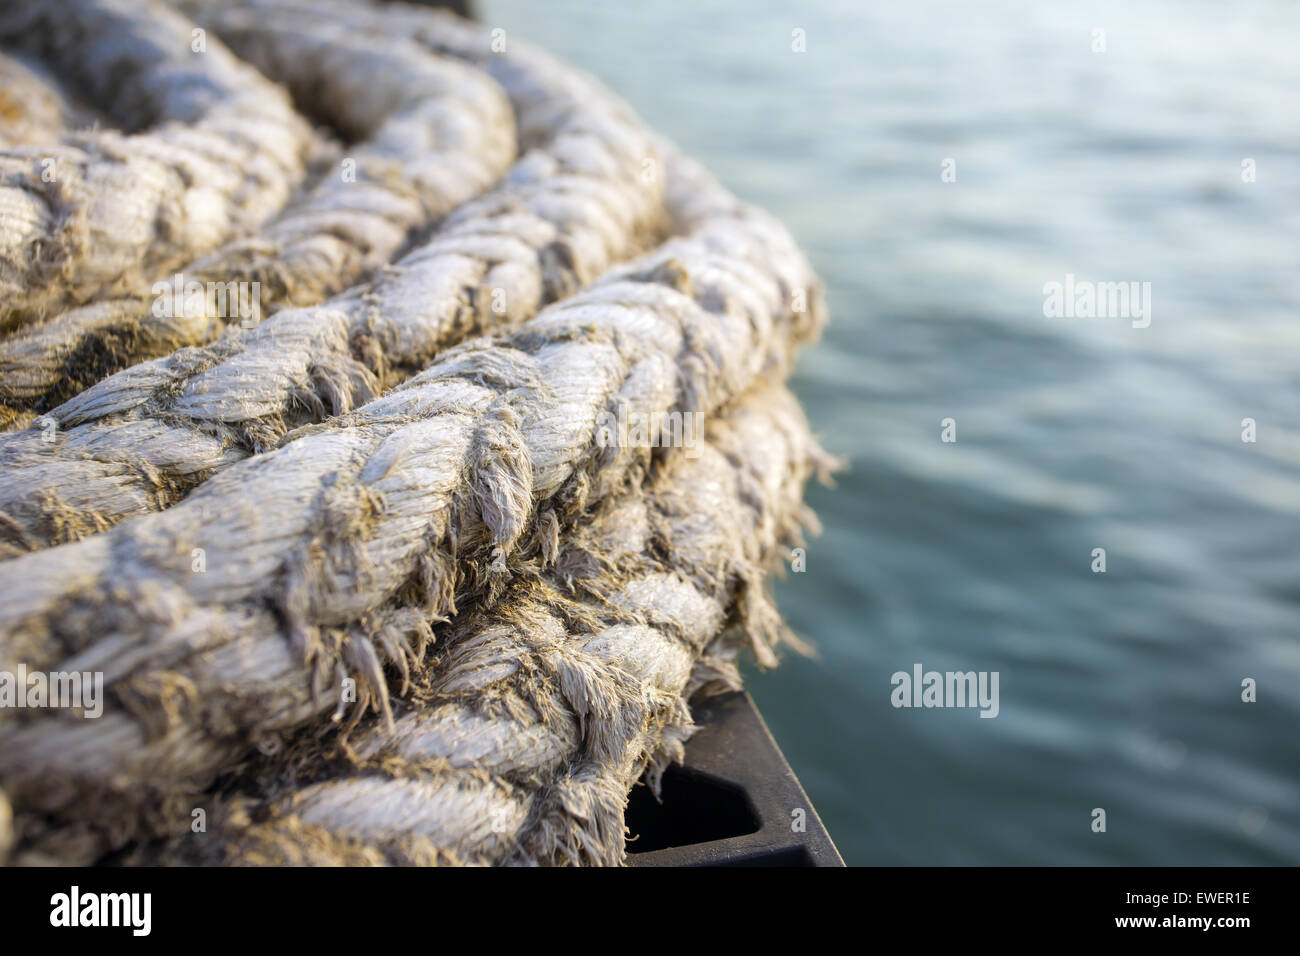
384, 542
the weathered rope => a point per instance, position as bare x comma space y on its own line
520, 744
104, 212
334, 551
309, 497
429, 133
575, 204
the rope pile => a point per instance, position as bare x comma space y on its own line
375, 574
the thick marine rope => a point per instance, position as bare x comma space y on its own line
220, 148
429, 134
333, 552
519, 744
277, 559
576, 203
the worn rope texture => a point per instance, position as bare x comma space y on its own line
305, 552
429, 134
221, 149
521, 742
575, 203
333, 552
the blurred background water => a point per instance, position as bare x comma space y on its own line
1119, 690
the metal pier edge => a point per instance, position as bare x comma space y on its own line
734, 802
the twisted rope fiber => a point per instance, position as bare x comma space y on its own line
337, 549
430, 134
138, 441
520, 744
234, 617
222, 149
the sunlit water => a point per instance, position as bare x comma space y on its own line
1120, 690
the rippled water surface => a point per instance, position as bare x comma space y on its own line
1119, 690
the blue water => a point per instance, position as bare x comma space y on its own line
1121, 690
